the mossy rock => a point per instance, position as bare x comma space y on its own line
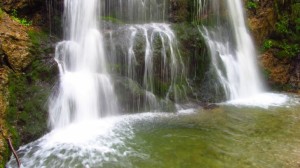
29, 91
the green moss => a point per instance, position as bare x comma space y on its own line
5, 156
37, 37
112, 19
22, 21
26, 110
28, 93
160, 88
1, 13
282, 26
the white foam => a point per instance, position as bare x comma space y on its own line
264, 100
186, 111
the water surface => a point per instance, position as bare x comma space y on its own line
228, 136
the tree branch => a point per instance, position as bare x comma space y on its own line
13, 150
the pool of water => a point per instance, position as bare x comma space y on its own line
227, 136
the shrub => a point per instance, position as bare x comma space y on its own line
252, 4
268, 44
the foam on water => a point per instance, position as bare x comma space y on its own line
263, 100
85, 144
100, 141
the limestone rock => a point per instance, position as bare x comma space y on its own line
262, 24
282, 71
278, 69
15, 55
14, 42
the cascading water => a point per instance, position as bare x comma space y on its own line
86, 91
135, 11
147, 53
231, 48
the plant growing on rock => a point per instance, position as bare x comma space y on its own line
252, 4
267, 44
22, 21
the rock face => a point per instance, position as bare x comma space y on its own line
14, 43
283, 74
24, 6
277, 69
3, 105
276, 31
14, 56
262, 24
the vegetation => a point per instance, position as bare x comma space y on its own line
267, 44
29, 92
251, 4
112, 19
1, 13
22, 21
286, 38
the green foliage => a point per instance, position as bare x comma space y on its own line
285, 39
297, 22
252, 4
282, 25
288, 50
22, 21
268, 44
296, 10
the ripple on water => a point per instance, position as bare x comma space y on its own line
229, 136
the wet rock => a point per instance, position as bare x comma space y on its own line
14, 43
130, 94
179, 11
209, 106
283, 74
3, 107
262, 24
25, 6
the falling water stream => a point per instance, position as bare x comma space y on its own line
86, 90
87, 132
231, 48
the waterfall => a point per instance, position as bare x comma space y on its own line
232, 51
85, 90
135, 11
146, 49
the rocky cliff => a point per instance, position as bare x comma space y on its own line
14, 57
276, 29
26, 72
